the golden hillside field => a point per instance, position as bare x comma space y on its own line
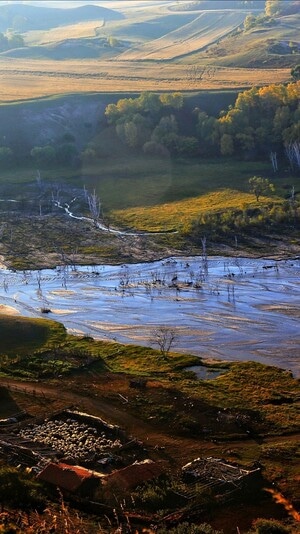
54, 35
153, 47
25, 79
207, 28
176, 215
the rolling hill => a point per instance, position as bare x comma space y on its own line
205, 29
158, 45
22, 17
274, 44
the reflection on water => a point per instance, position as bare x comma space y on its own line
227, 308
206, 373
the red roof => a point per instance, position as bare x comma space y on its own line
68, 477
135, 474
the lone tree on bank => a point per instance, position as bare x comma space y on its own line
94, 204
164, 337
259, 186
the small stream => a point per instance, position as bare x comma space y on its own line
228, 309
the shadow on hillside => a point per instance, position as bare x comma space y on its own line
8, 406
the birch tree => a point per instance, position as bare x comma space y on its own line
94, 204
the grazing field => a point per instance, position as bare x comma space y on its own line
23, 79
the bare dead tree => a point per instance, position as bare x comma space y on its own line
38, 179
296, 148
39, 279
94, 204
292, 197
292, 151
273, 158
55, 194
204, 255
164, 338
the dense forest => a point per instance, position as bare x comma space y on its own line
262, 121
262, 124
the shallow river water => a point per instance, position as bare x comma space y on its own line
227, 308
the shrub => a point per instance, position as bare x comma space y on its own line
19, 489
269, 526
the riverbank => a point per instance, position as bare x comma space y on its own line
222, 308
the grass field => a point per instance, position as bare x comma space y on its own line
177, 215
23, 79
158, 50
54, 35
140, 182
258, 46
20, 335
138, 191
204, 30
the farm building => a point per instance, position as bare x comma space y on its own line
82, 482
131, 476
71, 478
220, 476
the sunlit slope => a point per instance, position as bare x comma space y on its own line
71, 31
145, 26
275, 44
23, 78
188, 38
176, 215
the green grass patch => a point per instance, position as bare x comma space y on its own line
268, 390
137, 360
20, 335
129, 182
176, 215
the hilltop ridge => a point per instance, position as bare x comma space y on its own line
22, 17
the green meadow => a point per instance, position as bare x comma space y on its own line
20, 335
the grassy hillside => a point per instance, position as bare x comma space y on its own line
220, 4
90, 48
274, 43
71, 31
27, 79
23, 18
193, 36
177, 215
159, 33
19, 335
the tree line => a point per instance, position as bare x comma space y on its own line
263, 122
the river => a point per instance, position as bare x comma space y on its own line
228, 308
